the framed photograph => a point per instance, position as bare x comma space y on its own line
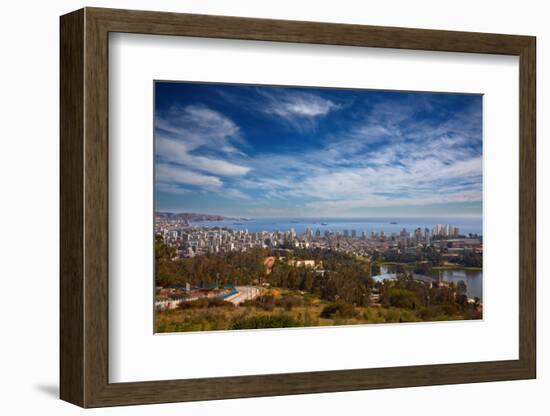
282, 207
257, 207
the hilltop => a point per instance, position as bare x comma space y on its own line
190, 216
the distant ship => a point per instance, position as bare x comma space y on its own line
324, 223
393, 222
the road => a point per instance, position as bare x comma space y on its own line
244, 293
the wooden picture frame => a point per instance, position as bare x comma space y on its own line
84, 207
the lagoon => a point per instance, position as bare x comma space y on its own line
472, 278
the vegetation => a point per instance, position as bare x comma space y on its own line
338, 290
205, 303
283, 308
252, 318
429, 257
471, 260
342, 276
280, 320
339, 309
229, 268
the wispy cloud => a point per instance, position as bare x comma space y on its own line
183, 134
298, 109
171, 189
384, 160
419, 150
299, 104
197, 126
234, 193
176, 151
170, 174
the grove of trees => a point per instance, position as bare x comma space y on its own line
342, 276
339, 278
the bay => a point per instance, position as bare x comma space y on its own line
387, 225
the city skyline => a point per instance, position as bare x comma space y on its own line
307, 216
194, 238
258, 151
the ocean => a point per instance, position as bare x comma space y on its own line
367, 225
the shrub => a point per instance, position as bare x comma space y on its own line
393, 315
401, 298
267, 302
219, 303
408, 316
340, 309
449, 309
289, 302
266, 321
472, 314
194, 304
205, 303
438, 312
429, 313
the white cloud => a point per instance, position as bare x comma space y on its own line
176, 151
388, 158
411, 182
182, 132
300, 109
171, 174
350, 173
384, 202
234, 193
171, 189
305, 105
199, 126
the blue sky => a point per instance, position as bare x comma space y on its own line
270, 151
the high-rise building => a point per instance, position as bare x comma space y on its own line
445, 230
418, 234
437, 230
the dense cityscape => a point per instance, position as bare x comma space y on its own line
211, 277
191, 240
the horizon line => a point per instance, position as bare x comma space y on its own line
480, 217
